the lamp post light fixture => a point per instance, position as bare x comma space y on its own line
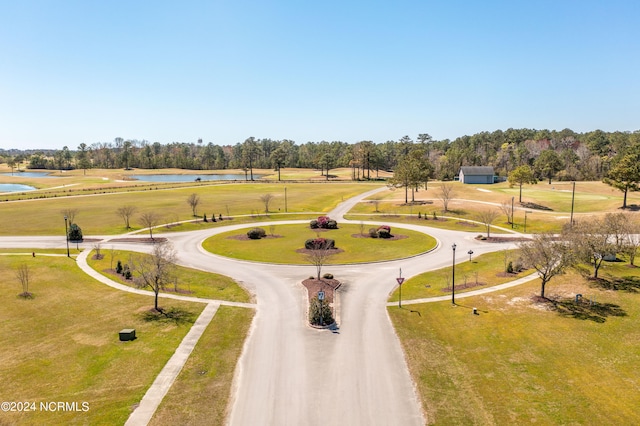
525, 220
66, 233
453, 276
470, 252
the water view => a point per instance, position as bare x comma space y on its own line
189, 178
15, 187
28, 174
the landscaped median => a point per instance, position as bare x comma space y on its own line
284, 244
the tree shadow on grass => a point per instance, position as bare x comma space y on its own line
583, 310
629, 284
171, 315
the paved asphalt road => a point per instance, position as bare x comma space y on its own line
291, 374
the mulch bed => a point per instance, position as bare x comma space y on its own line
245, 237
328, 285
393, 237
308, 251
503, 239
464, 286
139, 240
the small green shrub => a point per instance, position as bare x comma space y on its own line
320, 313
119, 267
328, 276
256, 233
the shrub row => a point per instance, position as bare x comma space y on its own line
383, 231
323, 222
319, 244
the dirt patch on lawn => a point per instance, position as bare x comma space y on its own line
308, 251
328, 285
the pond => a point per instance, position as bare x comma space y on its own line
15, 187
189, 178
28, 174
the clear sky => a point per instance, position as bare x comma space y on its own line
166, 71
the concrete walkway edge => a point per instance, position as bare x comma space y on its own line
161, 385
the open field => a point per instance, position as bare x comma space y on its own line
190, 282
521, 361
469, 199
201, 392
97, 215
63, 345
289, 238
484, 270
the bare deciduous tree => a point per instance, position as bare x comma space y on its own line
319, 258
507, 208
23, 275
487, 217
591, 242
97, 247
266, 200
126, 212
70, 214
150, 220
193, 200
155, 270
446, 195
547, 255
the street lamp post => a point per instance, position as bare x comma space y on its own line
525, 220
512, 213
453, 276
470, 252
66, 233
573, 197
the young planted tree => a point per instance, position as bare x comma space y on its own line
155, 270
126, 212
547, 255
507, 208
193, 200
23, 275
591, 241
266, 200
520, 176
319, 257
70, 214
150, 220
446, 195
487, 217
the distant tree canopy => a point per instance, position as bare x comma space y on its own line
564, 155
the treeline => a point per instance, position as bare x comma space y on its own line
563, 155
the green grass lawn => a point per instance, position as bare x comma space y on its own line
522, 361
97, 214
63, 345
483, 271
191, 282
201, 392
289, 238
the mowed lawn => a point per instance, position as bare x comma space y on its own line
97, 214
201, 393
283, 241
188, 282
521, 361
469, 200
63, 345
481, 272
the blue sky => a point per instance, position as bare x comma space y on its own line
91, 71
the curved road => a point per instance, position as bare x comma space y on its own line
291, 374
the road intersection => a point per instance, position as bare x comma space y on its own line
290, 373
